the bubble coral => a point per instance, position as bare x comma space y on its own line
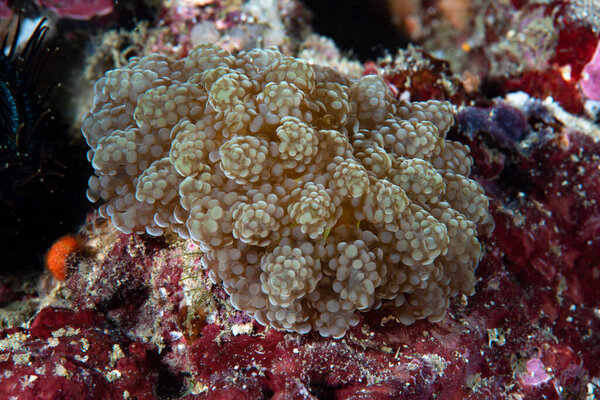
312, 195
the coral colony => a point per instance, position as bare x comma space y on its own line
284, 223
312, 196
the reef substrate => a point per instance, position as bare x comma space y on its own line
119, 327
528, 332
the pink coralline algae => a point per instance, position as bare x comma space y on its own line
558, 76
590, 83
5, 10
73, 355
535, 374
78, 9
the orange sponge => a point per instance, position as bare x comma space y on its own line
56, 258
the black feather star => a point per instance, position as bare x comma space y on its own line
23, 112
42, 166
30, 170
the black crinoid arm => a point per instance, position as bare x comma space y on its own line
23, 110
34, 172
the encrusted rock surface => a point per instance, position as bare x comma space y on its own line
142, 317
527, 332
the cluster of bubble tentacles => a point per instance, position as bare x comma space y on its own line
312, 196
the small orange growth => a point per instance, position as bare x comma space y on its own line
56, 258
471, 82
564, 142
